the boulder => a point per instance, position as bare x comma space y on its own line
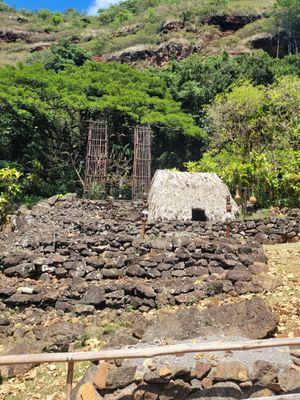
238, 274
59, 335
155, 377
221, 390
88, 392
94, 296
230, 370
11, 371
289, 380
84, 309
121, 377
201, 370
264, 373
19, 299
258, 392
24, 270
258, 268
176, 390
267, 282
144, 291
100, 375
87, 378
158, 244
250, 319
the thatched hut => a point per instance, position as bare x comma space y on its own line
185, 196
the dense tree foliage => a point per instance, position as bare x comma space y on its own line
197, 80
44, 114
255, 140
287, 17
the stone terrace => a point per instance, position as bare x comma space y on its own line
79, 255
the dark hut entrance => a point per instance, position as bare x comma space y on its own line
198, 214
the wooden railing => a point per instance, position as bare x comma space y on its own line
149, 352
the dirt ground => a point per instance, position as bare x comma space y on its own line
284, 262
47, 382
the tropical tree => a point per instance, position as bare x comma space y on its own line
44, 115
255, 140
286, 19
197, 80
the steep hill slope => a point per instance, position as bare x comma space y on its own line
151, 31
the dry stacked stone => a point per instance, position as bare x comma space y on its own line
115, 270
79, 255
185, 380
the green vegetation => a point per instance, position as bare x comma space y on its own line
139, 22
61, 55
287, 17
130, 23
197, 80
9, 189
4, 7
237, 116
44, 114
255, 140
189, 10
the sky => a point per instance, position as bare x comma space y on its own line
90, 6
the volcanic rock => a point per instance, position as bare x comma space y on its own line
251, 318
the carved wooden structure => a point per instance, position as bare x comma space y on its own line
96, 158
141, 178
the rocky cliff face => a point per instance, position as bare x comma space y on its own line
230, 22
157, 56
10, 36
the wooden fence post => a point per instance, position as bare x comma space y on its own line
70, 376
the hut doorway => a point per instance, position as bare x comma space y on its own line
198, 214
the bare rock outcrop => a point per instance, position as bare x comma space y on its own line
11, 36
174, 49
230, 22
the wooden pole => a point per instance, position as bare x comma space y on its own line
244, 201
228, 229
147, 352
228, 215
70, 375
295, 396
143, 229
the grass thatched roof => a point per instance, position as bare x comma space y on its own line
173, 195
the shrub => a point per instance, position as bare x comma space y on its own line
9, 189
57, 19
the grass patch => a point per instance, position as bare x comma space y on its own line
46, 382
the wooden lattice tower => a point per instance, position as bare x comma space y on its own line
96, 158
142, 162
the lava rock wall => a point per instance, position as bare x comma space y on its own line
79, 255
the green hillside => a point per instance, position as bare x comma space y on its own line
209, 25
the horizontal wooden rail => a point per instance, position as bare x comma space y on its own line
295, 396
147, 352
